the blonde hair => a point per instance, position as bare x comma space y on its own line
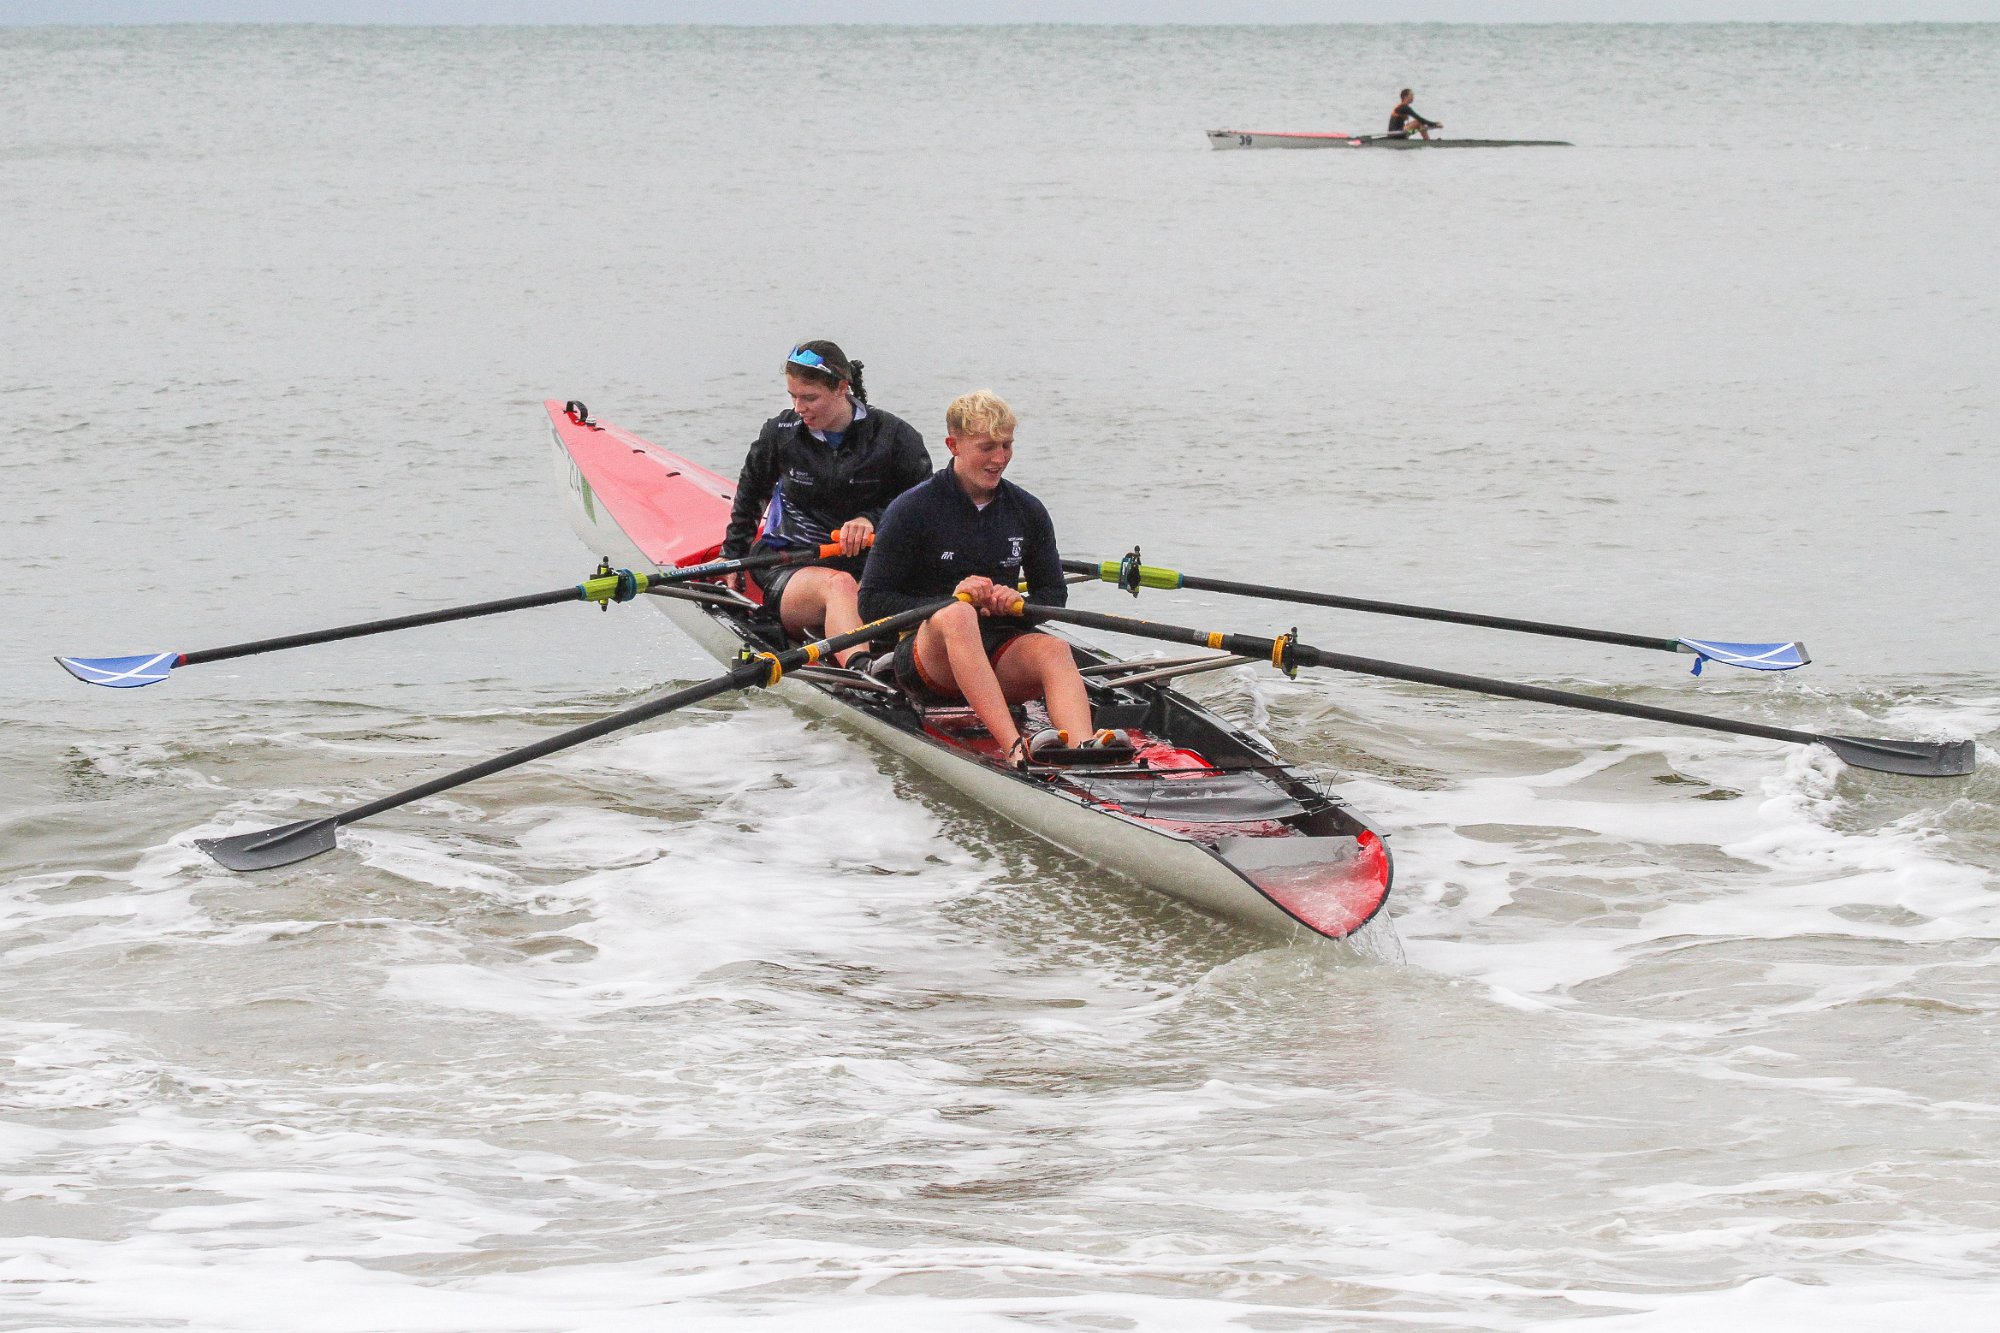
981, 412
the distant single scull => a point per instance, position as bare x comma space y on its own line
1318, 139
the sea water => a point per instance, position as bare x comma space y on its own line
733, 1019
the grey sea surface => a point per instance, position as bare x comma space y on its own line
734, 1020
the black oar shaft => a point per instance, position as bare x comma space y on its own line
1433, 613
289, 843
755, 672
1506, 689
736, 679
1282, 652
1923, 758
570, 594
602, 587
1107, 571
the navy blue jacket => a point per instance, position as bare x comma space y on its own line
932, 537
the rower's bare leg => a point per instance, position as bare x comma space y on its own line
818, 596
1041, 666
951, 653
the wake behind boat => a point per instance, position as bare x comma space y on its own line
1201, 811
1320, 139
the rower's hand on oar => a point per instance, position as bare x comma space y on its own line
988, 597
855, 536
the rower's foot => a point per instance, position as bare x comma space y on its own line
1048, 738
1038, 748
1050, 747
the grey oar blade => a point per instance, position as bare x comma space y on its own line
272, 847
1924, 759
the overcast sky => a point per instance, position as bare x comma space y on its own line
988, 11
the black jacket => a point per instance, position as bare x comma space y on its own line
933, 536
879, 458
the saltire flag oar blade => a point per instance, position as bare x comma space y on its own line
121, 673
1930, 759
1130, 575
269, 848
1751, 656
607, 585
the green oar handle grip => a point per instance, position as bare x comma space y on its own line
1150, 576
620, 585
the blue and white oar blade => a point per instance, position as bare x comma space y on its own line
121, 673
1755, 656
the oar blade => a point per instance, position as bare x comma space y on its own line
270, 848
1753, 656
1923, 759
121, 673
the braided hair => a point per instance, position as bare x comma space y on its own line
837, 368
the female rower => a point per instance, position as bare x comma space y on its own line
820, 473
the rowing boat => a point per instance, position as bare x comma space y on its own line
1315, 139
1201, 811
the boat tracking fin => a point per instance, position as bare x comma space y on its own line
270, 848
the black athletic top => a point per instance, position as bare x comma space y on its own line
818, 485
1403, 113
933, 536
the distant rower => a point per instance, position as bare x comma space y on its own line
1405, 116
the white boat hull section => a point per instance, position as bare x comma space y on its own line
1169, 863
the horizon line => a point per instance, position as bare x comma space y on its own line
1011, 23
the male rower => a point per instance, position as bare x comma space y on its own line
969, 530
1404, 116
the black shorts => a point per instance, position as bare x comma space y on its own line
996, 636
772, 580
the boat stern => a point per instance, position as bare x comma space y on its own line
1333, 885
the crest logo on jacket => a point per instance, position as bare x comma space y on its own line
1014, 550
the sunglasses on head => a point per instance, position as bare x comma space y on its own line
811, 360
